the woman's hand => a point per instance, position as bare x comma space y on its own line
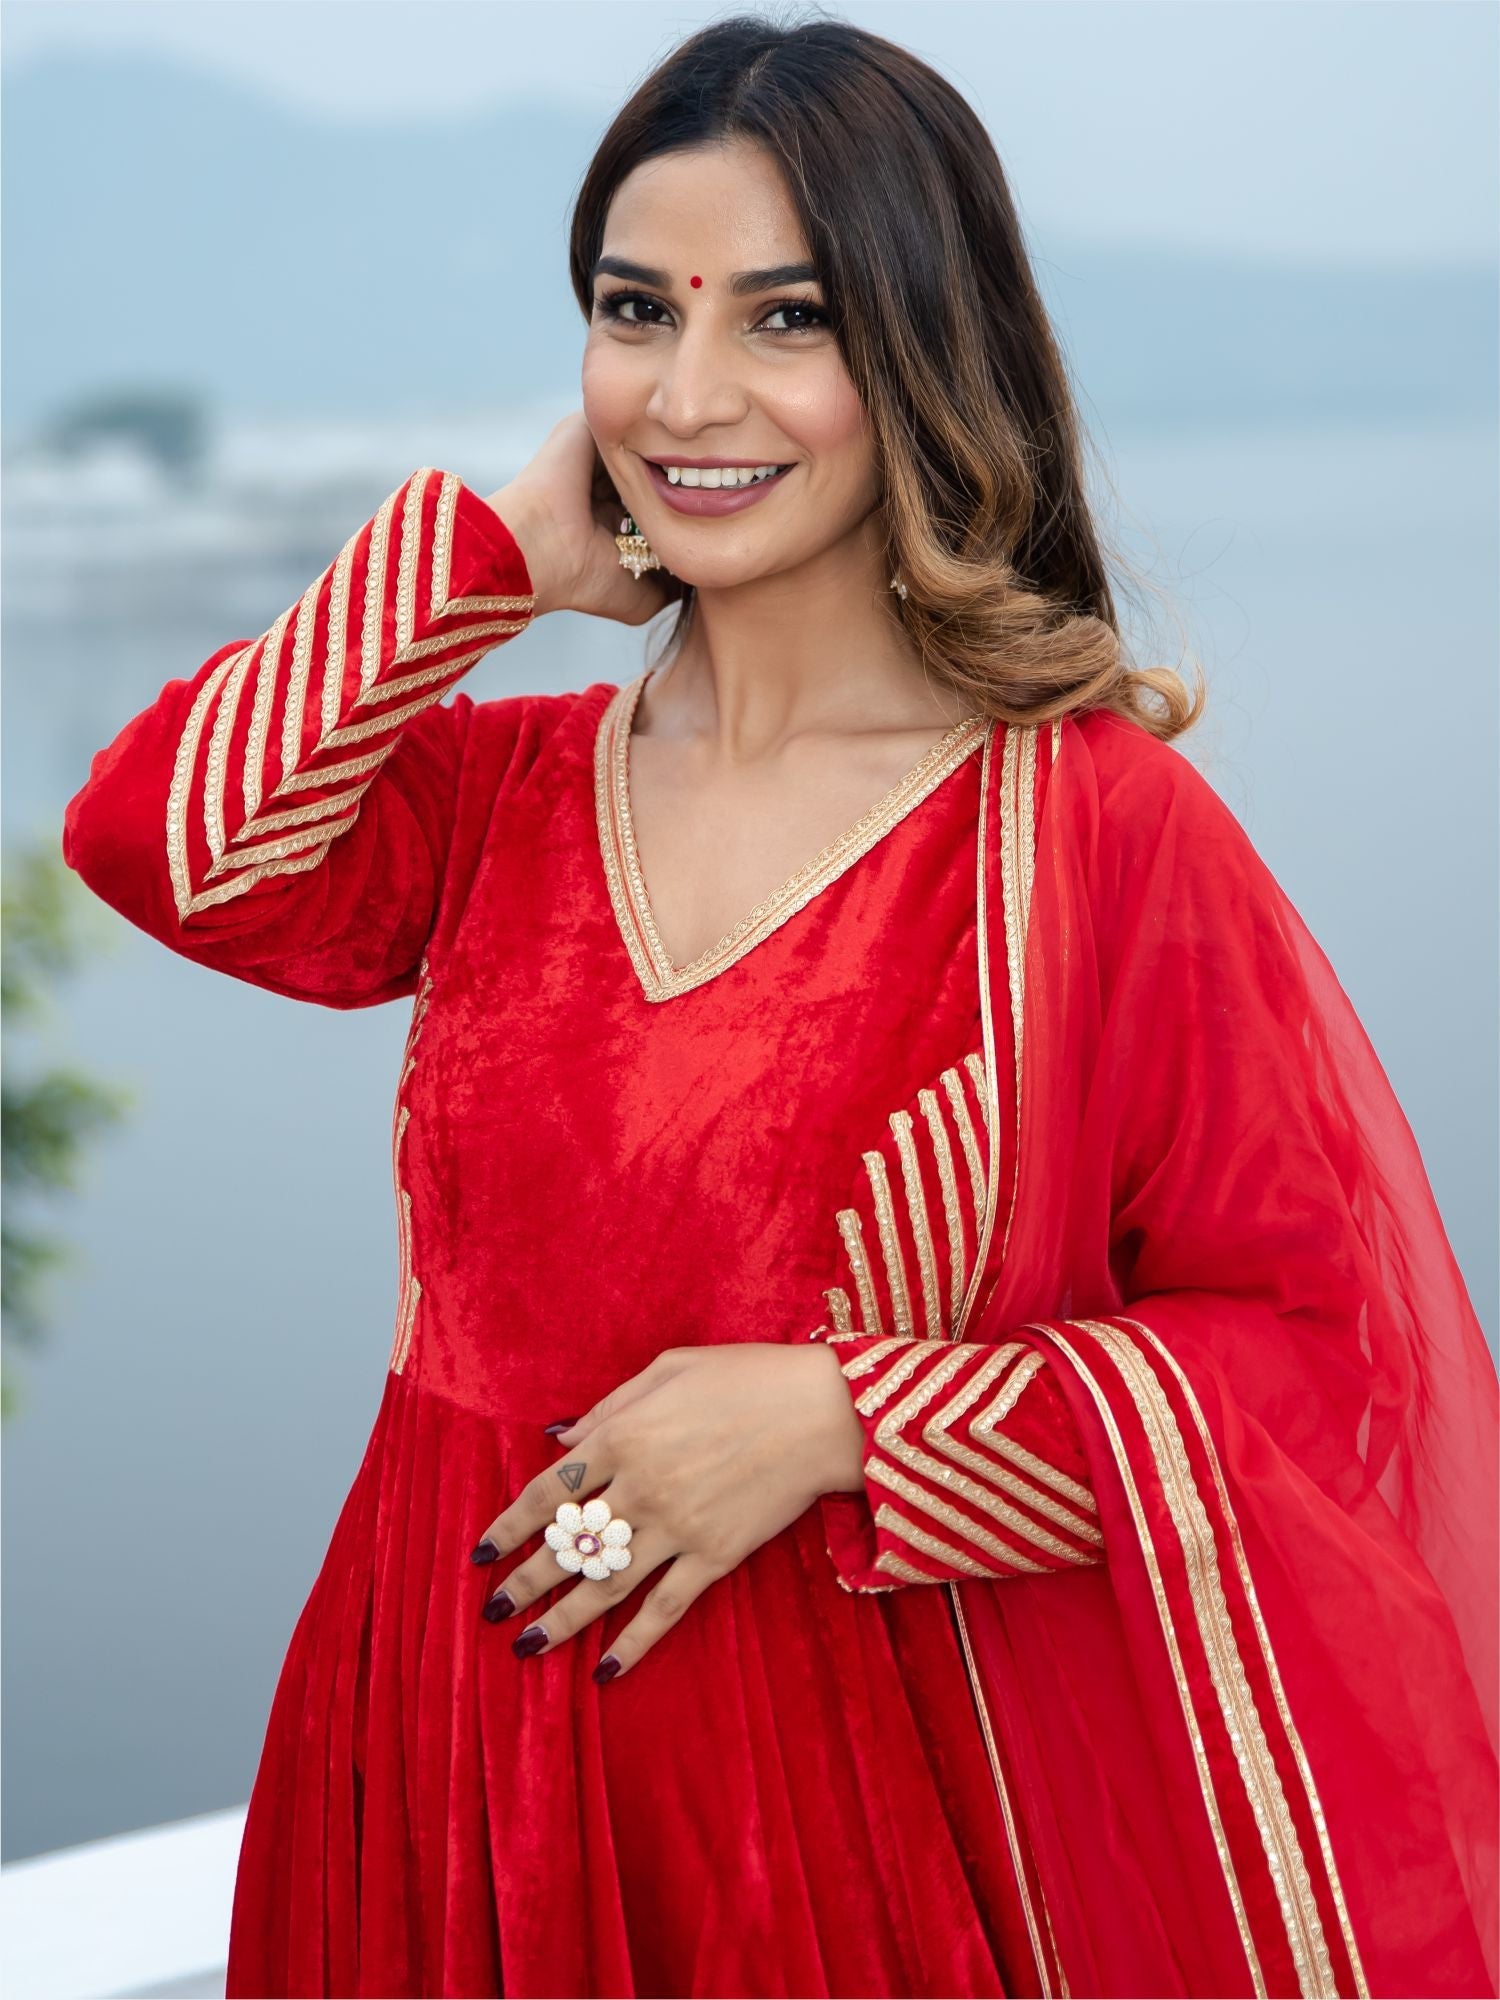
565, 514
707, 1452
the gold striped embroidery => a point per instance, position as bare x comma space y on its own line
218, 752
916, 1210
408, 1285
890, 1564
890, 1243
852, 1231
872, 1357
660, 979
889, 1433
953, 1219
909, 1357
918, 1213
1015, 1382
975, 1066
937, 1432
839, 1310
226, 687
313, 816
931, 1545
953, 1085
1002, 1558
260, 715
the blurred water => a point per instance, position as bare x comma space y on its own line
191, 1428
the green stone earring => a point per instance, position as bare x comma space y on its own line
636, 553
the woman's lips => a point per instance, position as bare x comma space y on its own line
712, 499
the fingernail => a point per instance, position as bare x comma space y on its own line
530, 1641
607, 1668
483, 1552
562, 1424
501, 1605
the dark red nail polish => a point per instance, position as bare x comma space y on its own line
607, 1668
530, 1641
562, 1424
501, 1605
483, 1552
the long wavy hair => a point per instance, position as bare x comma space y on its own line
979, 451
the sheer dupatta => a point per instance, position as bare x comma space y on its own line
1254, 1751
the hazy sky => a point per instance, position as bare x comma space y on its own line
1367, 129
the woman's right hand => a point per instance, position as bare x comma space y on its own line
564, 514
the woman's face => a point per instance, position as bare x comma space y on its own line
699, 350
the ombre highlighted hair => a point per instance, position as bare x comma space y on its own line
979, 452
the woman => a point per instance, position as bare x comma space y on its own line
916, 1300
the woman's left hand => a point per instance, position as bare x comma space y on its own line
707, 1452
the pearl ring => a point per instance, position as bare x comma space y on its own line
589, 1540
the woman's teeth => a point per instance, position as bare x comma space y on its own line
718, 475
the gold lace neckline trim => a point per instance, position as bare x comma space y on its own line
660, 979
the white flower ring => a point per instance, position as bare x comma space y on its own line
589, 1540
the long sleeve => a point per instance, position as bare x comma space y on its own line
973, 1465
972, 1461
284, 814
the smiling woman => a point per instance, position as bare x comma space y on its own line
914, 1293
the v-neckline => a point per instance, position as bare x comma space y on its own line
659, 978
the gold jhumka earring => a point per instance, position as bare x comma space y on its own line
636, 553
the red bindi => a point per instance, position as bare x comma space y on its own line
695, 281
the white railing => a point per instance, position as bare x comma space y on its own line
141, 1913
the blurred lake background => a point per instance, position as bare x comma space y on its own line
262, 262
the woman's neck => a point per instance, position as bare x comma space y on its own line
813, 650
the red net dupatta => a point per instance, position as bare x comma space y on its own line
1255, 1749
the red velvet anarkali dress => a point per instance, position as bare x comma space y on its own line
1012, 1719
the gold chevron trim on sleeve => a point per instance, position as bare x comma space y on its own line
982, 1493
1001, 1556
909, 1357
937, 1432
923, 1539
471, 627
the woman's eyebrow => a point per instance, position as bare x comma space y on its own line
740, 283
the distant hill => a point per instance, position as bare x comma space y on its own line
166, 229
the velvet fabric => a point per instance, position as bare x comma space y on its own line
1174, 1764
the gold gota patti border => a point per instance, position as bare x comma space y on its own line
1017, 867
1264, 1793
659, 978
408, 1285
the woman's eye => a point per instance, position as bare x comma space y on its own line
819, 317
613, 305
638, 309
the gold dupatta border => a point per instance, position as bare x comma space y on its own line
1189, 1508
1268, 1656
1017, 857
